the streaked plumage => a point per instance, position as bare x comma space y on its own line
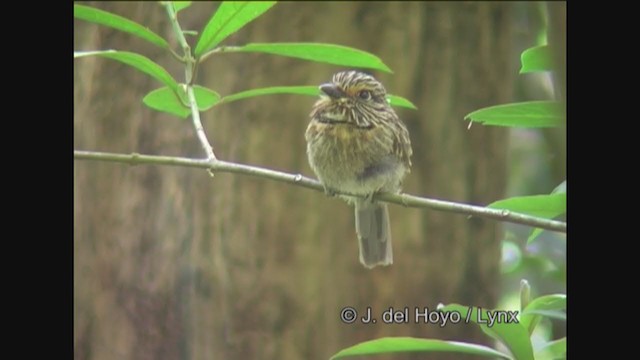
357, 144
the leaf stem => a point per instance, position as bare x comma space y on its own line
220, 49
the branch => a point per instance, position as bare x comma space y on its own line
299, 180
190, 65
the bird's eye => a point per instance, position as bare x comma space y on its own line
365, 94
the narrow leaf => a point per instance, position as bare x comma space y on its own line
300, 90
512, 334
395, 100
546, 206
323, 53
531, 114
553, 350
230, 17
537, 58
405, 344
117, 22
534, 235
529, 318
137, 61
181, 5
562, 188
558, 315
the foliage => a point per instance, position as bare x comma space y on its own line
537, 58
406, 344
532, 114
229, 18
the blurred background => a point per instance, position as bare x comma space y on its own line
170, 263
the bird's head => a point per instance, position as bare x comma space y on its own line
352, 97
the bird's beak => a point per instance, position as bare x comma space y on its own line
332, 91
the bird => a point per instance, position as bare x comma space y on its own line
357, 144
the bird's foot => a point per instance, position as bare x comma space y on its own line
329, 192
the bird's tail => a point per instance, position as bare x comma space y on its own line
374, 233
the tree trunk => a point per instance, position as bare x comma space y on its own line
171, 263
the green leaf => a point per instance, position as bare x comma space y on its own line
545, 206
300, 90
534, 235
558, 315
323, 53
553, 350
117, 22
405, 344
205, 97
537, 58
512, 334
395, 100
562, 188
531, 316
165, 100
181, 5
531, 114
230, 17
137, 61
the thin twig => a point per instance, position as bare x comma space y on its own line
299, 180
220, 49
190, 64
197, 124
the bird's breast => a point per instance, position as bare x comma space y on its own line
341, 153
